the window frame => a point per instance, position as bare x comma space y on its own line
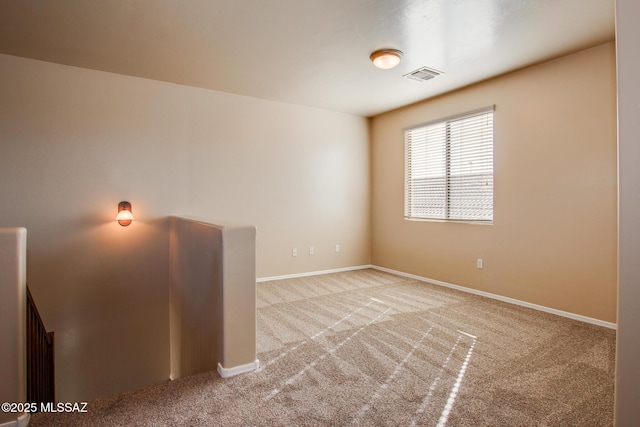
446, 122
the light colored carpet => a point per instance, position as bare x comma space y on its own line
371, 348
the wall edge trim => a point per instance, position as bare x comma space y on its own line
313, 273
237, 370
21, 421
514, 301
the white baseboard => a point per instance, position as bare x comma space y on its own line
237, 370
567, 314
502, 298
313, 273
21, 421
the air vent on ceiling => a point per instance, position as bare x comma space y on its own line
422, 74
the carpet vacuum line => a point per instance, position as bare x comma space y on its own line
390, 378
454, 390
311, 365
281, 355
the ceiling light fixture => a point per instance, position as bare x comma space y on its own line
386, 58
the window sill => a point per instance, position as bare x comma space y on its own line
454, 221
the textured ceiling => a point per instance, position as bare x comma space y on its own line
307, 52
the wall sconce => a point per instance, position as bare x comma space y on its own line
124, 216
386, 58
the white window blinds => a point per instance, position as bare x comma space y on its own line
449, 168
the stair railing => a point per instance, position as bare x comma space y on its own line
40, 357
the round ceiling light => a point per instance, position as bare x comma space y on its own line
386, 58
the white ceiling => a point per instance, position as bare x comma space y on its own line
307, 52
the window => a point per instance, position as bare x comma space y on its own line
449, 168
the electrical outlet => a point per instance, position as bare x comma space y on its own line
337, 248
294, 252
479, 263
310, 250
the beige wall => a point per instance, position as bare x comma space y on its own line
75, 142
627, 411
195, 297
212, 297
13, 319
553, 240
